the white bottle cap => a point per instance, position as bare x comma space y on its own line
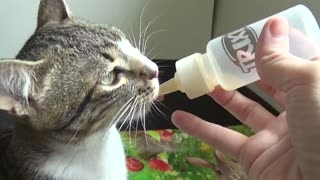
194, 77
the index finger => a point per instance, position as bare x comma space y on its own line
224, 139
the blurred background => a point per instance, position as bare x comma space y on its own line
176, 28
185, 25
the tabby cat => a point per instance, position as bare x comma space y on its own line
69, 86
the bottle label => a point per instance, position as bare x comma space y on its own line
240, 46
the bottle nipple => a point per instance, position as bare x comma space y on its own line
168, 87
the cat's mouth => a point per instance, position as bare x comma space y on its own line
139, 105
145, 97
149, 93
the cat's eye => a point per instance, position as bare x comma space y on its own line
107, 56
113, 77
109, 79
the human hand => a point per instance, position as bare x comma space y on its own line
283, 147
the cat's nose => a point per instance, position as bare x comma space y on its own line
155, 74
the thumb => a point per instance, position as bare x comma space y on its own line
275, 64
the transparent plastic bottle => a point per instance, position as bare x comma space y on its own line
229, 60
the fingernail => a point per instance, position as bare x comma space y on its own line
218, 89
217, 92
279, 27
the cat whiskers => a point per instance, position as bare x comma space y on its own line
147, 40
144, 125
133, 39
139, 119
130, 112
138, 109
122, 111
142, 41
157, 110
140, 24
150, 52
75, 134
144, 34
160, 103
131, 119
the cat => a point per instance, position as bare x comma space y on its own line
68, 87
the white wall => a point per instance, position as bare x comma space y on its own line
17, 23
233, 14
187, 23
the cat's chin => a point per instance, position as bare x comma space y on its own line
137, 112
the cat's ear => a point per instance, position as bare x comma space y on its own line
17, 80
52, 11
